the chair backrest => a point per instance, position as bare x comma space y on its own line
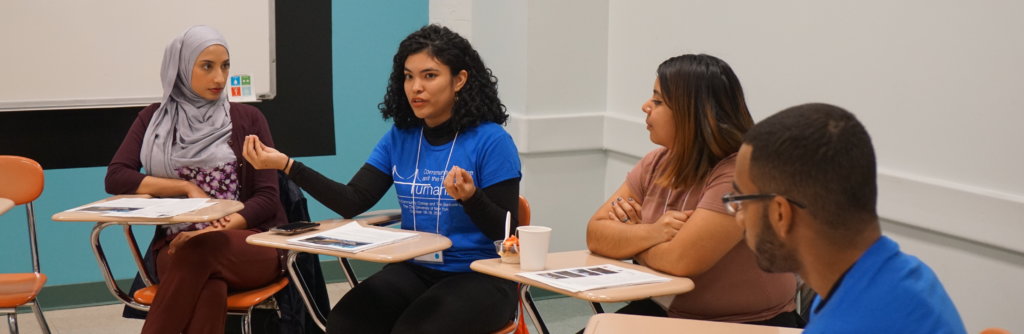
21, 180
995, 330
524, 211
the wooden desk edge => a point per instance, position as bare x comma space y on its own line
687, 325
5, 204
228, 206
491, 267
371, 255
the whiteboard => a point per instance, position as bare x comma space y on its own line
69, 54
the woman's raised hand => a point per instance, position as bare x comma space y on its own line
262, 157
459, 184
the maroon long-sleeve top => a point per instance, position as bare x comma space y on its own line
258, 188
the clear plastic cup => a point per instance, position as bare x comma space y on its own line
508, 253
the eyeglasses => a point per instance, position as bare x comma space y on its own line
733, 202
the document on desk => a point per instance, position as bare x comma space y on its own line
146, 207
593, 277
351, 237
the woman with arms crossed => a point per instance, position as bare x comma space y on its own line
456, 173
190, 145
668, 214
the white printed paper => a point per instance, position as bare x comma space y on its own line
351, 237
146, 207
593, 277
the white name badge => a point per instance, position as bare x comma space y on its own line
435, 257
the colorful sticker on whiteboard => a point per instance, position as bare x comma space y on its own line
241, 88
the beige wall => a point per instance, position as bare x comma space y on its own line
937, 85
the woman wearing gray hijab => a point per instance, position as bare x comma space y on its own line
190, 145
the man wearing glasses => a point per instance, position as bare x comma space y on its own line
805, 193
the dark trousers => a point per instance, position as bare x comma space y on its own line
195, 280
407, 298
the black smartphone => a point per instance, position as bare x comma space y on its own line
295, 228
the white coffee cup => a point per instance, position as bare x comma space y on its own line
533, 247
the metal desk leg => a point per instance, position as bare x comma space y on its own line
101, 259
597, 307
531, 309
293, 273
350, 275
12, 322
137, 255
39, 317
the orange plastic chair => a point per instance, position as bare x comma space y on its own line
995, 330
518, 323
240, 303
21, 182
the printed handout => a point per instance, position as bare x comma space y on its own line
594, 277
351, 237
146, 207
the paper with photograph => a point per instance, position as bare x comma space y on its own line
351, 237
145, 207
593, 277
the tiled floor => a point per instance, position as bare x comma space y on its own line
562, 315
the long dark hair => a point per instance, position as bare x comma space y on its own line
709, 112
476, 102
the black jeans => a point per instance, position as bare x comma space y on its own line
407, 298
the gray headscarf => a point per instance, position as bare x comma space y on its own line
187, 130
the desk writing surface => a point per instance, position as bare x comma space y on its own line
423, 243
220, 208
607, 323
5, 204
583, 258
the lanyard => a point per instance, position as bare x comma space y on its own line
668, 198
416, 174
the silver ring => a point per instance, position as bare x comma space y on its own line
625, 220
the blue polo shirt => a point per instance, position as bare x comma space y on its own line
886, 291
418, 169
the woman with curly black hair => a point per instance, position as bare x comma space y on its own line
446, 144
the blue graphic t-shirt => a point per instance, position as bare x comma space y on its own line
418, 169
886, 291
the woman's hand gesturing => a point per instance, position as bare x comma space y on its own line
261, 156
459, 184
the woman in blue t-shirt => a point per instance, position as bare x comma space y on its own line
456, 172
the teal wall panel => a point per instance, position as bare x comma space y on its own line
365, 37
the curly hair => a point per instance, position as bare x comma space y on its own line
476, 102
